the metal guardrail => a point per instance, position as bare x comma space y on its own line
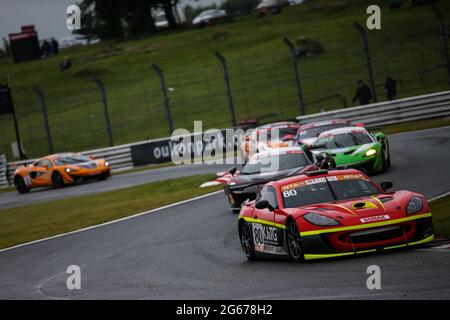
3, 172
374, 115
391, 112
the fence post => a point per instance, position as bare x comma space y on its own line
41, 98
444, 35
363, 34
101, 87
226, 77
160, 74
294, 59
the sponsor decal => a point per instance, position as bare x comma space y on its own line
263, 235
375, 218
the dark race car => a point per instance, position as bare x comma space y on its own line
324, 214
243, 185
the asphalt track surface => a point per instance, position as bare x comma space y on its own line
191, 251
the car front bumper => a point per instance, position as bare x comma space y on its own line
408, 232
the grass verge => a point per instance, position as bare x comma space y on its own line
28, 223
441, 216
416, 125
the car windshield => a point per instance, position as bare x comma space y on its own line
344, 140
331, 188
315, 131
72, 159
275, 163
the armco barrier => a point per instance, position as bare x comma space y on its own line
392, 112
374, 115
3, 171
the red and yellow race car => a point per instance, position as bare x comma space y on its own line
59, 170
324, 214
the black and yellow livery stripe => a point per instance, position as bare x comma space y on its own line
366, 226
332, 255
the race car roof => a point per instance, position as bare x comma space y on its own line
283, 124
323, 123
336, 131
351, 173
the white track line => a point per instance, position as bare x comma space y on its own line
112, 221
439, 197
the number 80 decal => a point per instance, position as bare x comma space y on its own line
289, 193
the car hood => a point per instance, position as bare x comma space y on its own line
369, 208
348, 151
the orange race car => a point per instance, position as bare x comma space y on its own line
59, 170
252, 142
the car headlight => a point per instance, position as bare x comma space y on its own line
415, 205
69, 170
106, 164
320, 220
370, 152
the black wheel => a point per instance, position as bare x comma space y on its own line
246, 237
102, 177
294, 242
57, 180
385, 159
20, 185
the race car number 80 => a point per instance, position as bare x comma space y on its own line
258, 234
289, 193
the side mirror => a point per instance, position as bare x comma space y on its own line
232, 171
386, 185
264, 204
380, 136
320, 157
45, 166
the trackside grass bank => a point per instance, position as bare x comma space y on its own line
441, 216
28, 223
408, 47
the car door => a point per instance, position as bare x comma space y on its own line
40, 173
265, 233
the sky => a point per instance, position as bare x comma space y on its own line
48, 16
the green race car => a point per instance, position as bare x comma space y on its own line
355, 147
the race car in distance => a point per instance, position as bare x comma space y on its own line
308, 133
269, 136
243, 185
325, 214
59, 170
355, 147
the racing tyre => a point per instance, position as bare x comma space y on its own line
20, 185
294, 242
102, 177
57, 180
385, 159
246, 237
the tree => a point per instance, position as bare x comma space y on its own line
240, 6
108, 15
138, 17
169, 8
